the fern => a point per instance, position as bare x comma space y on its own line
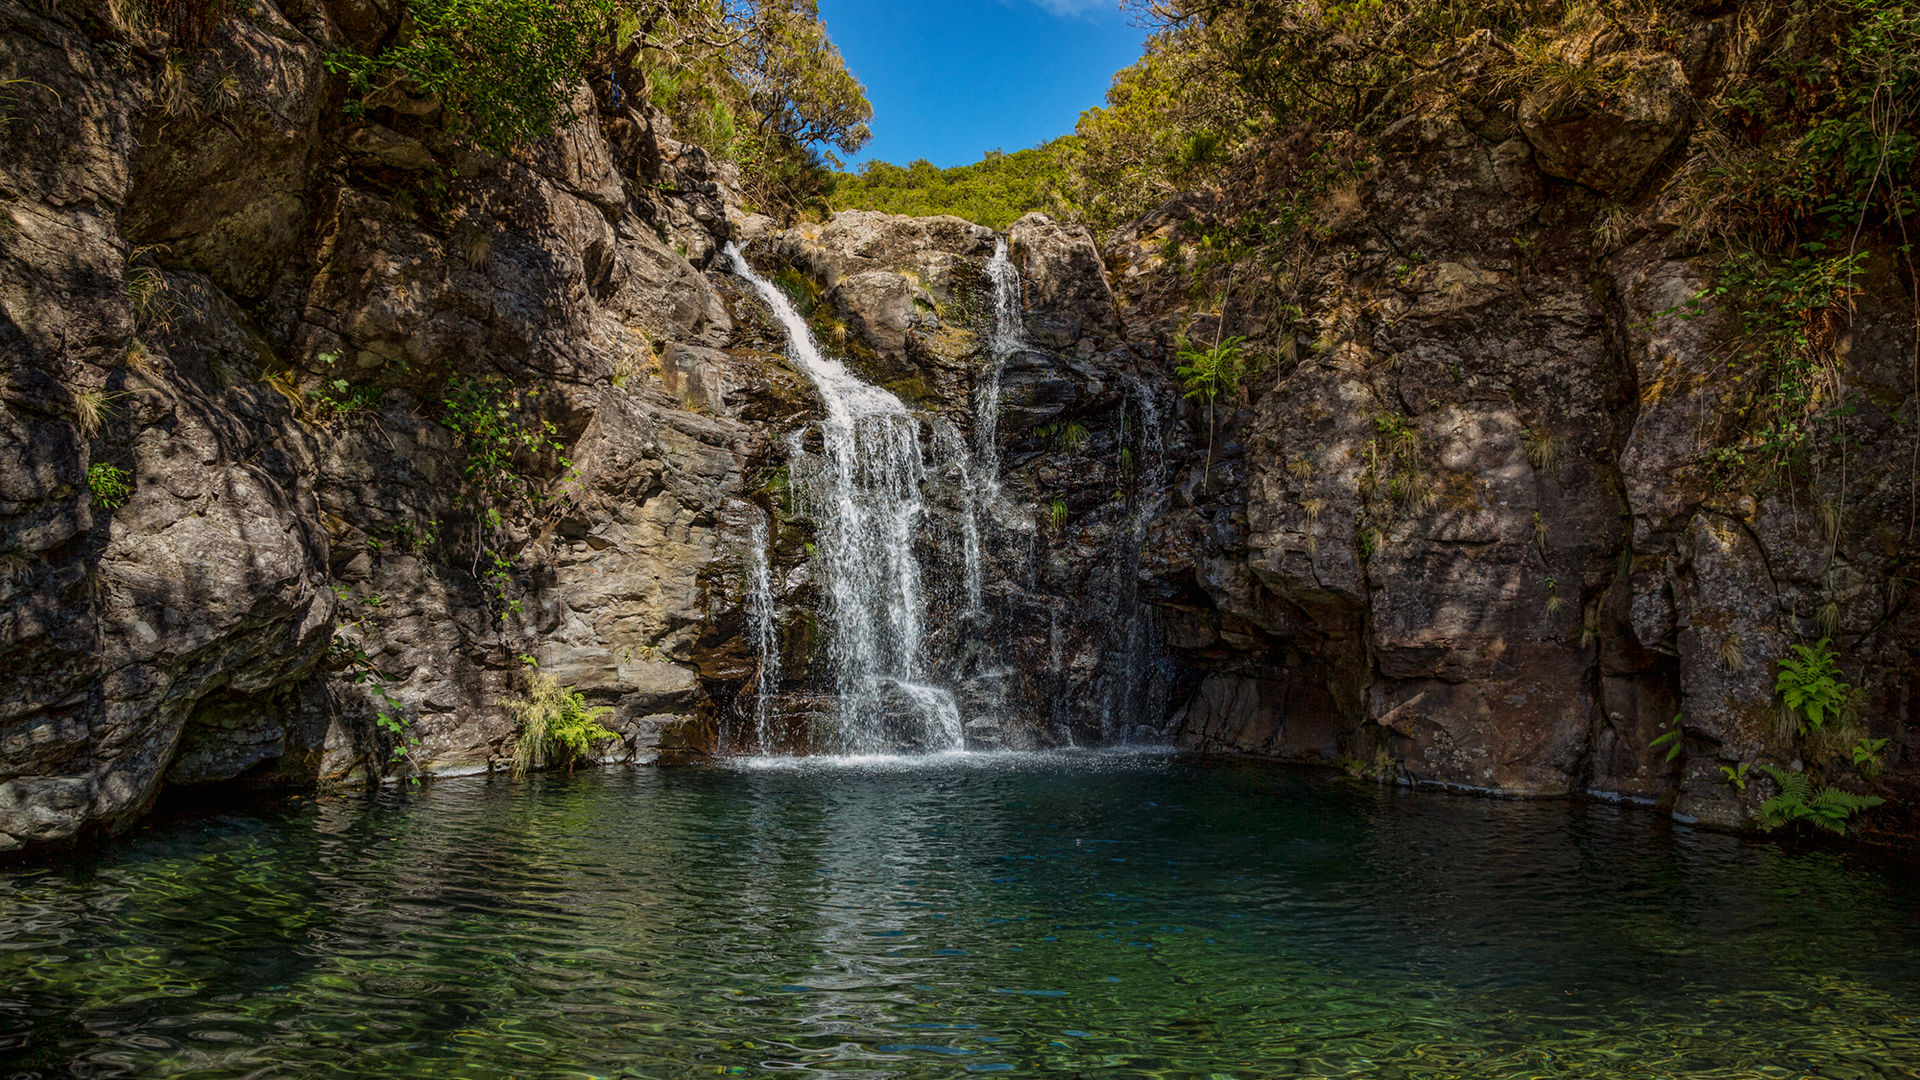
1810, 684
1205, 374
1827, 808
557, 726
1866, 755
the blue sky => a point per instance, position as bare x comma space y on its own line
952, 79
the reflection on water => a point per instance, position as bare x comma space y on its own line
1109, 916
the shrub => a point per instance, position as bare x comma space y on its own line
1208, 372
557, 726
504, 68
110, 486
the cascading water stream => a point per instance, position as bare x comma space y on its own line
1009, 337
765, 628
864, 491
1132, 654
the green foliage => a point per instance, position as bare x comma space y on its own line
1209, 372
798, 87
756, 82
346, 654
1784, 364
505, 69
496, 428
996, 191
1381, 766
1672, 739
1172, 122
1866, 756
1057, 514
1796, 160
557, 726
339, 397
111, 486
1809, 684
1806, 150
492, 422
1827, 808
1737, 777
1069, 435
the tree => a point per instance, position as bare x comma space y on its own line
797, 83
504, 69
507, 70
1207, 373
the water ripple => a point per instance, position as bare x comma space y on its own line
1118, 915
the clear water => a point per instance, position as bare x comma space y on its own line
1072, 916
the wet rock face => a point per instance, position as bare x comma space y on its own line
1060, 648
1468, 530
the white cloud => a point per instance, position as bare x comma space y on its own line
1077, 9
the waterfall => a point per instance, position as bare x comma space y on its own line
1132, 657
1009, 336
948, 446
765, 633
865, 491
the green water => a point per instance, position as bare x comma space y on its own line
1085, 916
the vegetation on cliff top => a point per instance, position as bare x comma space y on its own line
1800, 157
995, 191
754, 81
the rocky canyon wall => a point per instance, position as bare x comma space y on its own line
395, 417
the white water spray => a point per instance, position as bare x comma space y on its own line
1009, 336
864, 491
765, 627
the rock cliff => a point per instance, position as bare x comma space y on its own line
1470, 531
394, 417
320, 428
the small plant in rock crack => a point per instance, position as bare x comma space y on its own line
91, 409
10, 99
499, 581
1866, 757
1068, 435
347, 655
111, 486
1543, 452
415, 536
1672, 739
1207, 372
1809, 684
1735, 777
1057, 514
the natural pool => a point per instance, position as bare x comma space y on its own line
1071, 915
